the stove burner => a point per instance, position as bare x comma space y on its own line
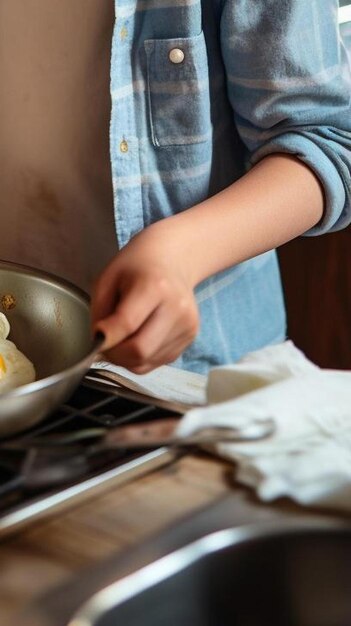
29, 474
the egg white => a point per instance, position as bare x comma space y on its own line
4, 326
15, 368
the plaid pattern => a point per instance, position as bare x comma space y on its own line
258, 77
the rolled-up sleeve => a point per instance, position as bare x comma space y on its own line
289, 83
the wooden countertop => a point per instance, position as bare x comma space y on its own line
45, 556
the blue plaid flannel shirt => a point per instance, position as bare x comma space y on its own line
257, 77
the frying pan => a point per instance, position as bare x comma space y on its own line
50, 324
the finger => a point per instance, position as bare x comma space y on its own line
133, 310
167, 354
161, 333
105, 294
163, 357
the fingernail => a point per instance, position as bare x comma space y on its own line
99, 336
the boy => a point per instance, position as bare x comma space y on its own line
203, 92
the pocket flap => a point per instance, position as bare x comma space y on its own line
178, 90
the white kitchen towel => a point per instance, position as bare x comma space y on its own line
308, 458
257, 369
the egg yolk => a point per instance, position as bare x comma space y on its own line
2, 365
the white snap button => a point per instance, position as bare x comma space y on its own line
123, 146
123, 33
176, 55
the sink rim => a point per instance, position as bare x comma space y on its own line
148, 576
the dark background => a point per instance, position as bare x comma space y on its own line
317, 283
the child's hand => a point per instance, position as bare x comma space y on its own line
144, 303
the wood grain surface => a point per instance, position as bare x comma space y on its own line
46, 555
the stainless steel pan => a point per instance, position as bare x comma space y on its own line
50, 323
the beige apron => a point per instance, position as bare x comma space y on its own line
56, 203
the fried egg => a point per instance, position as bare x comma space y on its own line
15, 368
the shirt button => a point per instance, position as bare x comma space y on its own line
123, 146
123, 33
176, 55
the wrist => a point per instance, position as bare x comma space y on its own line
173, 239
191, 246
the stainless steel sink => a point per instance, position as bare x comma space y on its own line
250, 576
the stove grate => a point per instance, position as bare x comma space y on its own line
89, 407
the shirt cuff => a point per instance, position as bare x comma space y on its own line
336, 214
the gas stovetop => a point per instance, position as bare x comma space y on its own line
36, 483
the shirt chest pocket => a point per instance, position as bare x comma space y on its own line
178, 91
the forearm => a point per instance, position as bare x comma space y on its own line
144, 301
279, 199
